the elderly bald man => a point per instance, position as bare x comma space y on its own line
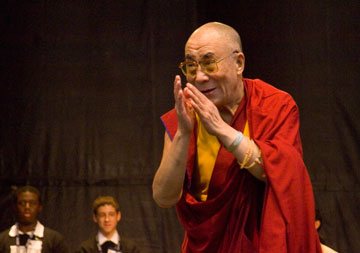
232, 158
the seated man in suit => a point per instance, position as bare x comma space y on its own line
107, 215
28, 234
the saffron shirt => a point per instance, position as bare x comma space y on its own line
241, 213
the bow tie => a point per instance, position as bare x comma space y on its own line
23, 239
107, 245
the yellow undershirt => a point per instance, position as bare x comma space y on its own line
207, 149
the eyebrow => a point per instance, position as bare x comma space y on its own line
208, 55
202, 57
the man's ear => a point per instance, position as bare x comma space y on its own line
40, 208
118, 218
240, 62
95, 218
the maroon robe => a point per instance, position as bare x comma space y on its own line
243, 214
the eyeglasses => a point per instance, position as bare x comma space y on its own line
209, 66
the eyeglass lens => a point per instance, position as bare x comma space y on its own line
208, 66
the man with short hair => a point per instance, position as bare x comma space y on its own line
28, 234
232, 158
106, 214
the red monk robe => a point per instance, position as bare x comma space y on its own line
242, 214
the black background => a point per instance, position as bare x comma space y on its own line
83, 84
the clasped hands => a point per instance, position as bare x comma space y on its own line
190, 100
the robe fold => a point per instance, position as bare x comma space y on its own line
241, 213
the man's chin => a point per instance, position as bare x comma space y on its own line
27, 221
107, 231
216, 102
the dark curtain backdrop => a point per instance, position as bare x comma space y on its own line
83, 84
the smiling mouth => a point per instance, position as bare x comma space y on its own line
207, 91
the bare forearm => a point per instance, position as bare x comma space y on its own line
169, 178
246, 153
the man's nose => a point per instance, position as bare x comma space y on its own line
201, 76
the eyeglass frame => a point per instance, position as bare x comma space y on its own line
182, 64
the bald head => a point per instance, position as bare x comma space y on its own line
220, 31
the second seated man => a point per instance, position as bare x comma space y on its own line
106, 214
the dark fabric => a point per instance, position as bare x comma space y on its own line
83, 84
228, 221
53, 242
77, 116
90, 246
107, 245
23, 239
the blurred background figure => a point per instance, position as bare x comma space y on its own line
106, 214
28, 234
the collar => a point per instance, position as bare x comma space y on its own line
38, 231
102, 238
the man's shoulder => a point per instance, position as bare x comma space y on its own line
266, 96
53, 233
129, 245
89, 245
169, 115
170, 122
264, 89
5, 232
54, 241
4, 236
6, 241
90, 240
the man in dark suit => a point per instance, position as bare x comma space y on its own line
106, 214
28, 234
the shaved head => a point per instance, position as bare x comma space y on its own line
219, 31
219, 44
